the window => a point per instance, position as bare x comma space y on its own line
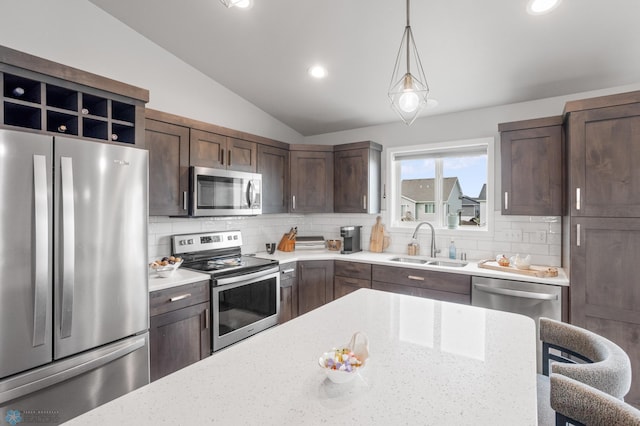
446, 184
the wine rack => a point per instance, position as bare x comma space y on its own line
62, 107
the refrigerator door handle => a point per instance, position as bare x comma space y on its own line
41, 379
41, 249
68, 248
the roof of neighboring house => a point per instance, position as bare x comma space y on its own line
483, 193
423, 190
469, 201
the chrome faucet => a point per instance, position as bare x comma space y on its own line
434, 251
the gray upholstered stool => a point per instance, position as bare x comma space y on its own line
580, 404
594, 361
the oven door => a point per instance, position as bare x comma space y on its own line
216, 192
244, 305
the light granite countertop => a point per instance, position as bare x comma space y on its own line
384, 259
184, 276
431, 363
179, 277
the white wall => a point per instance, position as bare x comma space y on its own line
79, 34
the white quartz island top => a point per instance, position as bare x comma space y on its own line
384, 259
431, 363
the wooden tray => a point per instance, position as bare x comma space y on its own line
533, 271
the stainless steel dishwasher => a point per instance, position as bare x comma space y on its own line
531, 299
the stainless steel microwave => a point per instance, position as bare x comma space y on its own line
217, 192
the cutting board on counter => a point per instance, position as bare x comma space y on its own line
533, 271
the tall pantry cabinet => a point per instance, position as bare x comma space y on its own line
602, 229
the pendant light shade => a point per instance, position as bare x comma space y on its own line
409, 89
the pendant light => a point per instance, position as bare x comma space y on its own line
243, 4
409, 89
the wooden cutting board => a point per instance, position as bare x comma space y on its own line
376, 243
533, 271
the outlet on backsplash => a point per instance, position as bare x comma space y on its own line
541, 237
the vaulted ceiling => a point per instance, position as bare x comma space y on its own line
475, 53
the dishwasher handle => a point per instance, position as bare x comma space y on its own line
515, 293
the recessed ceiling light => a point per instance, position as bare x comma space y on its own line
539, 7
318, 71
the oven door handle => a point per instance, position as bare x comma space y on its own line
246, 277
515, 293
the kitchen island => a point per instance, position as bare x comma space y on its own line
431, 363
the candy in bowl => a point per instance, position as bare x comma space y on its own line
166, 266
342, 364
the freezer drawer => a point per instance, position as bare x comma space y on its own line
65, 389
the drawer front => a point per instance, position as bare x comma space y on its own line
353, 269
444, 296
434, 280
288, 271
170, 299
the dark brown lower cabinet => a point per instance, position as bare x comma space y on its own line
436, 285
350, 276
315, 284
179, 332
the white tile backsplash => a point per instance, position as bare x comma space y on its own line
511, 235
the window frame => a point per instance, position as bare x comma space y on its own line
394, 183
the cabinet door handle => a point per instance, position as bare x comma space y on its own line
229, 155
294, 201
506, 200
364, 202
415, 277
578, 235
577, 198
184, 200
181, 297
287, 271
221, 157
206, 319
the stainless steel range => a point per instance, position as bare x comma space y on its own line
245, 290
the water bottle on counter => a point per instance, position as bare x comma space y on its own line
452, 250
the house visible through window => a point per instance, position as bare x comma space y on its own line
444, 184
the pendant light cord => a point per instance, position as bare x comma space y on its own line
408, 30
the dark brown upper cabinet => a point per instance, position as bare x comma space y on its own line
604, 153
531, 159
168, 146
311, 179
273, 165
39, 95
209, 149
356, 182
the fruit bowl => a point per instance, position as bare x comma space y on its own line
166, 266
343, 364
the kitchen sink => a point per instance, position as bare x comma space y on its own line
445, 263
409, 260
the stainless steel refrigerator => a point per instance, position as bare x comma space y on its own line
73, 275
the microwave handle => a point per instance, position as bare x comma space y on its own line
250, 191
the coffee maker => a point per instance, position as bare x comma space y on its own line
351, 241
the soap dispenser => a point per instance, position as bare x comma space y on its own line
452, 250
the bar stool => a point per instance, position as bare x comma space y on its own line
580, 404
591, 359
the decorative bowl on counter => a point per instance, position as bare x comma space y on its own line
343, 364
166, 266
